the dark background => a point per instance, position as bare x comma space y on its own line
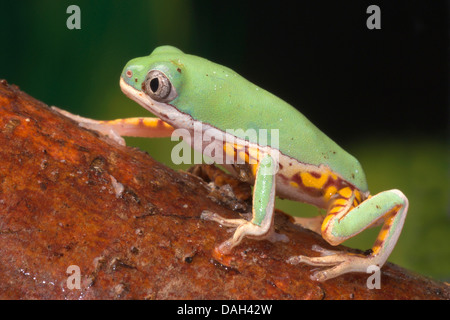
382, 94
317, 55
320, 57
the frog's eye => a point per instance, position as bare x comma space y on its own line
158, 86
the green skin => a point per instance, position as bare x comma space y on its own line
263, 191
205, 92
217, 95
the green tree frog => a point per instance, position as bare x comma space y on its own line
299, 162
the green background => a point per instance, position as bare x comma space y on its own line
381, 94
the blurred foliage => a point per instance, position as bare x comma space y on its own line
372, 86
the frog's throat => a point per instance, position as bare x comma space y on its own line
164, 111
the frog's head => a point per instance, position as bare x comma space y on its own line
152, 81
169, 83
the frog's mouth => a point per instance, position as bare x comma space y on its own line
164, 111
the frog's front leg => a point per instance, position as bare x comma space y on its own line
344, 221
261, 225
130, 127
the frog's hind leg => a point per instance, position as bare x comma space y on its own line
261, 225
130, 127
345, 221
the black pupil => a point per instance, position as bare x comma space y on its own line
154, 84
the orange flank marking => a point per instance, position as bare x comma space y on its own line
341, 201
357, 195
229, 149
346, 192
309, 180
331, 190
326, 221
253, 153
250, 155
243, 156
293, 184
335, 209
254, 169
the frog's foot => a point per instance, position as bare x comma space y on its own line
244, 228
225, 247
338, 261
346, 217
212, 216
